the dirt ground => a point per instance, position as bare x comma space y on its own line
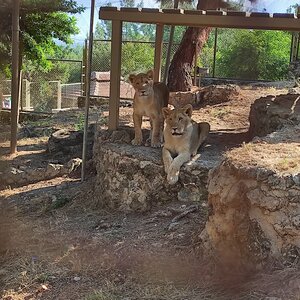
57, 243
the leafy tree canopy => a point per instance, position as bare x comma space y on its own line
42, 22
253, 54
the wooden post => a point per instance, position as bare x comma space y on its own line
26, 85
58, 105
115, 75
158, 51
15, 77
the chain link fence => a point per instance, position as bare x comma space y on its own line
137, 56
45, 91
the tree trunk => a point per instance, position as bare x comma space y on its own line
180, 78
180, 70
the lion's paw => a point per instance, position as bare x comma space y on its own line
156, 145
172, 178
148, 142
136, 142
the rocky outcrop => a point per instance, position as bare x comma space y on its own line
180, 99
209, 95
294, 70
215, 94
23, 175
68, 143
132, 178
271, 113
255, 199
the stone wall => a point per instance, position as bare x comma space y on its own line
132, 178
255, 198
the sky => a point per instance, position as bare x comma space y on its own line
83, 20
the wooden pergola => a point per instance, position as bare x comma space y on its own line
178, 17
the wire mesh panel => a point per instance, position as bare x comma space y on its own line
44, 95
56, 88
5, 93
251, 54
69, 94
137, 56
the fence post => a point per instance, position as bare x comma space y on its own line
84, 75
26, 84
58, 106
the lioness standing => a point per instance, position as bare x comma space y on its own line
149, 99
183, 137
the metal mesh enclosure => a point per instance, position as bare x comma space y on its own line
137, 56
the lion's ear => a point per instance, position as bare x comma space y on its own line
188, 109
166, 111
150, 74
131, 78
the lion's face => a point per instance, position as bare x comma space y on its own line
178, 120
142, 83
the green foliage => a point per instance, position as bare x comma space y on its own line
60, 202
101, 295
42, 22
253, 54
101, 56
136, 57
293, 8
80, 123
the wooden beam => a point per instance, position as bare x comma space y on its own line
158, 51
115, 75
15, 77
200, 19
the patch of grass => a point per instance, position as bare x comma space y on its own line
80, 122
220, 113
286, 164
103, 120
60, 202
101, 295
39, 123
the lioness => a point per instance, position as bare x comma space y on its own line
149, 99
183, 137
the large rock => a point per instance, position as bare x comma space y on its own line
68, 143
209, 95
215, 94
180, 99
255, 199
23, 175
271, 113
132, 178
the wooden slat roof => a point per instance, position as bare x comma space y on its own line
196, 18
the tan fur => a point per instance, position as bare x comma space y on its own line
149, 99
183, 137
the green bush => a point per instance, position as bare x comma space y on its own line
253, 54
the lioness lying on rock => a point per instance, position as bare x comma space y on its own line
183, 137
149, 99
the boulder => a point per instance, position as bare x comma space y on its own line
132, 178
215, 94
69, 142
24, 175
271, 113
254, 196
